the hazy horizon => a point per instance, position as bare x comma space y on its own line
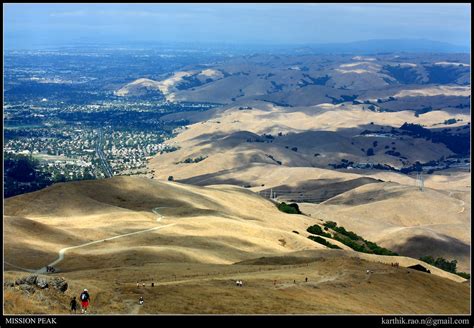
33, 25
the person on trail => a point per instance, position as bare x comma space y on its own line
140, 300
73, 304
85, 299
143, 284
306, 279
138, 284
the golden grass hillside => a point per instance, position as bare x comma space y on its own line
336, 284
404, 219
196, 244
435, 222
232, 139
220, 224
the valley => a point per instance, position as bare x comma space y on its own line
175, 177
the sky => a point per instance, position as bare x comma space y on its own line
30, 25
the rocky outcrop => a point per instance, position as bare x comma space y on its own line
59, 283
30, 283
31, 280
42, 282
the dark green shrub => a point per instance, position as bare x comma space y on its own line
289, 208
465, 275
355, 241
330, 224
316, 230
323, 242
441, 263
352, 244
342, 230
376, 249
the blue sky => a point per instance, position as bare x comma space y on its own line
59, 24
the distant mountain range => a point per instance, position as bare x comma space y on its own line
357, 47
384, 46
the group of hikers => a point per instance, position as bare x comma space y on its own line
143, 284
239, 283
294, 281
85, 299
396, 264
50, 269
141, 300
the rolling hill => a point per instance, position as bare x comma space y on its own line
193, 242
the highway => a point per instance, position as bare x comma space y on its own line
100, 152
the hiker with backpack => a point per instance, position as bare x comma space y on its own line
85, 299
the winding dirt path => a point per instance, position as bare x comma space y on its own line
63, 251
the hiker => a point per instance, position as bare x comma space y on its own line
140, 300
241, 283
274, 282
143, 284
306, 279
85, 299
368, 271
294, 281
73, 305
237, 283
138, 284
152, 284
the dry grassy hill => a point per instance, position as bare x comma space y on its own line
233, 147
228, 222
404, 219
307, 80
305, 137
188, 246
336, 285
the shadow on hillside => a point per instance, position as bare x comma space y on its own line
362, 198
146, 195
449, 248
317, 190
167, 249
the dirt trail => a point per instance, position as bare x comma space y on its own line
62, 251
132, 306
